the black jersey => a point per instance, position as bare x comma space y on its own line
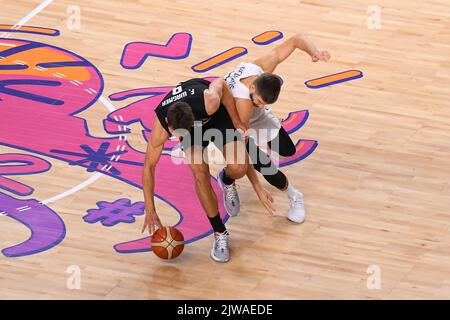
190, 92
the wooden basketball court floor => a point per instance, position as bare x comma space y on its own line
376, 187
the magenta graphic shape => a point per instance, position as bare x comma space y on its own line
136, 53
41, 117
28, 165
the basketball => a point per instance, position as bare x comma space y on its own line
168, 243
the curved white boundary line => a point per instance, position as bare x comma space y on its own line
102, 99
93, 178
78, 187
107, 104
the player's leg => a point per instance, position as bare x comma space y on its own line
205, 192
203, 187
278, 179
264, 165
283, 143
230, 143
236, 158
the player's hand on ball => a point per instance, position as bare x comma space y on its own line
321, 55
266, 199
151, 221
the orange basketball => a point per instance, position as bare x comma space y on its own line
167, 243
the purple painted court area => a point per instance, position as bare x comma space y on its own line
112, 213
46, 227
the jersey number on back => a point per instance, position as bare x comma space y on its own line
177, 90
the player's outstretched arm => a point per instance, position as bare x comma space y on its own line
152, 156
264, 196
217, 93
300, 41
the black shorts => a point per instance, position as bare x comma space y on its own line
219, 129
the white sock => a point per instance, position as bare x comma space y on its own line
291, 191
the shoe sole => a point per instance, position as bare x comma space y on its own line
297, 222
218, 260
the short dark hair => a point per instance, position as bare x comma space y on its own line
180, 116
268, 86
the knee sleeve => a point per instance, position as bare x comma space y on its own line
277, 180
263, 164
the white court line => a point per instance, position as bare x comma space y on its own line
93, 178
19, 62
107, 104
28, 17
74, 189
103, 100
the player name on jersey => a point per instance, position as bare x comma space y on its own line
174, 98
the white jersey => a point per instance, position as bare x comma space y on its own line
265, 126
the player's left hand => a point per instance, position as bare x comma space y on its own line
321, 55
151, 221
266, 199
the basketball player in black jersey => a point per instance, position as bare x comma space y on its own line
191, 111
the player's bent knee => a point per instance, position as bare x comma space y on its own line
236, 171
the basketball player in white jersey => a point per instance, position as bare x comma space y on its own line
254, 87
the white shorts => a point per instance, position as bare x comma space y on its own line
264, 126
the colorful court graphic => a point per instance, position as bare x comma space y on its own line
334, 79
8, 28
267, 37
220, 59
97, 190
136, 53
60, 84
